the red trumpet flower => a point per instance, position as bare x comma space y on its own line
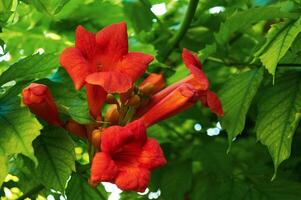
197, 79
127, 157
102, 60
40, 102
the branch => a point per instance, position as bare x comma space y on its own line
217, 60
174, 41
31, 192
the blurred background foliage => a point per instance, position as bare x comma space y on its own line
234, 157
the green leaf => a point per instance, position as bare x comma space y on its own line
3, 169
236, 96
25, 170
54, 150
139, 14
18, 126
32, 67
49, 7
174, 180
244, 19
5, 11
279, 40
78, 189
278, 116
68, 99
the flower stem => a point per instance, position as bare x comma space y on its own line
183, 29
31, 192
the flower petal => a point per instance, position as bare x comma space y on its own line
193, 63
76, 65
135, 179
103, 168
138, 132
134, 64
85, 41
214, 103
113, 41
191, 58
111, 81
152, 155
114, 137
96, 97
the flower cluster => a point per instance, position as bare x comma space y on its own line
123, 154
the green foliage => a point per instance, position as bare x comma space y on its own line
49, 7
278, 116
139, 14
235, 45
71, 102
175, 180
18, 127
30, 68
78, 189
242, 20
279, 40
236, 175
54, 150
237, 95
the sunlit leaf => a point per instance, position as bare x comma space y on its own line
32, 67
54, 150
279, 40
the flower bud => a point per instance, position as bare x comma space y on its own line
40, 102
134, 101
112, 115
152, 84
96, 136
147, 89
76, 128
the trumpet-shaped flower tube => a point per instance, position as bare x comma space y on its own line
178, 100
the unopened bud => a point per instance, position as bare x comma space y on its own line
152, 84
112, 115
40, 102
147, 89
134, 101
76, 128
96, 136
111, 99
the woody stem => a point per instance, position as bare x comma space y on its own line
183, 29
